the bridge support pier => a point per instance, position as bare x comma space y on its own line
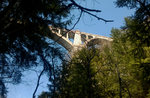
77, 38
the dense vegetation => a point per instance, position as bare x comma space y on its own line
121, 69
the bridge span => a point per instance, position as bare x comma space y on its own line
73, 40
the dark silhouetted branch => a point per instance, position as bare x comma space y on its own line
83, 8
99, 18
38, 83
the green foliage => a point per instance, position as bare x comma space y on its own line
125, 60
131, 49
81, 81
137, 32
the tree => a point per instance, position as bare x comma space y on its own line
137, 30
131, 67
123, 62
81, 80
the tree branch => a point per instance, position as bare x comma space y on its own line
99, 18
83, 8
38, 82
88, 11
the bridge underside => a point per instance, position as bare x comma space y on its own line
98, 43
62, 41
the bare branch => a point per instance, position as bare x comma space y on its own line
38, 82
76, 22
83, 8
99, 18
89, 11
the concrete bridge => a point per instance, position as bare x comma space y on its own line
74, 40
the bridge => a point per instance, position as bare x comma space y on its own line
74, 40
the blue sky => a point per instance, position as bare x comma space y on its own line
26, 88
87, 24
109, 11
